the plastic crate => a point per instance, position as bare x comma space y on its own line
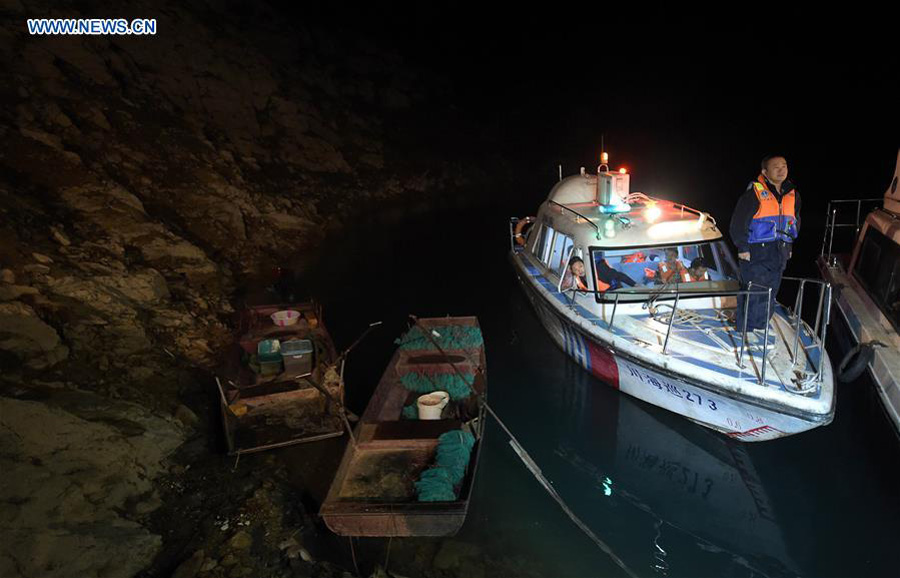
298, 356
269, 350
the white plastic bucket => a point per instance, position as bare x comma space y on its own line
432, 404
286, 317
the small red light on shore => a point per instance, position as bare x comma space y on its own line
622, 171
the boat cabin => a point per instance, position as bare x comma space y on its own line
875, 263
628, 242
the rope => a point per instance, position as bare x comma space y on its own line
536, 471
353, 554
660, 565
545, 483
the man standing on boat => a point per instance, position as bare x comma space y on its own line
764, 225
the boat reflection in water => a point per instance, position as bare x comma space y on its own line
710, 512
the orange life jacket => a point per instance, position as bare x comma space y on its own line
688, 278
774, 221
666, 271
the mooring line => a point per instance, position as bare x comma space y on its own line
529, 461
545, 483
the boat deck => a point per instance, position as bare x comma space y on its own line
389, 457
705, 338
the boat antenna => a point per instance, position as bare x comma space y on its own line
560, 171
604, 157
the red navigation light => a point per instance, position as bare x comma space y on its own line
622, 171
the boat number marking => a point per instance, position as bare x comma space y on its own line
663, 385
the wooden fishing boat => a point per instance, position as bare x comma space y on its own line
378, 488
293, 396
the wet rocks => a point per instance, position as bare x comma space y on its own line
187, 417
42, 259
69, 473
190, 567
240, 541
25, 335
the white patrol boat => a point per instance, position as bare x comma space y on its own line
654, 313
868, 298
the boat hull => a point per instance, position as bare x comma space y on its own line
374, 493
378, 525
738, 418
402, 520
858, 320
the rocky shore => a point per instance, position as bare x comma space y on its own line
143, 180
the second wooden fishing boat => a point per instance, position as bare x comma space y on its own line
282, 380
410, 465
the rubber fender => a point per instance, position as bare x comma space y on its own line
856, 360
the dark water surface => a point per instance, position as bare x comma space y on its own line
670, 497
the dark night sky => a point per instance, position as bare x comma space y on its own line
689, 98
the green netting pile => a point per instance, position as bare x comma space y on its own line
410, 411
448, 337
436, 484
452, 383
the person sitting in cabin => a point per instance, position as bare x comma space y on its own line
669, 270
575, 276
698, 271
610, 279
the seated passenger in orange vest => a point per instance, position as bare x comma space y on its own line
697, 271
608, 278
669, 270
574, 277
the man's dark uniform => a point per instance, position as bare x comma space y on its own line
764, 223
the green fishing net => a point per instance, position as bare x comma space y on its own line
436, 484
410, 411
452, 383
448, 337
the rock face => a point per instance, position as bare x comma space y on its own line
70, 472
24, 334
139, 177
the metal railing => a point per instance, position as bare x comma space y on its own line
577, 214
831, 223
818, 334
823, 318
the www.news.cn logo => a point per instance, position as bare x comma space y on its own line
92, 26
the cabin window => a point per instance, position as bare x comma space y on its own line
567, 281
545, 243
562, 247
698, 266
878, 270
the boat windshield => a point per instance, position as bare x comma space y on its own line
700, 266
